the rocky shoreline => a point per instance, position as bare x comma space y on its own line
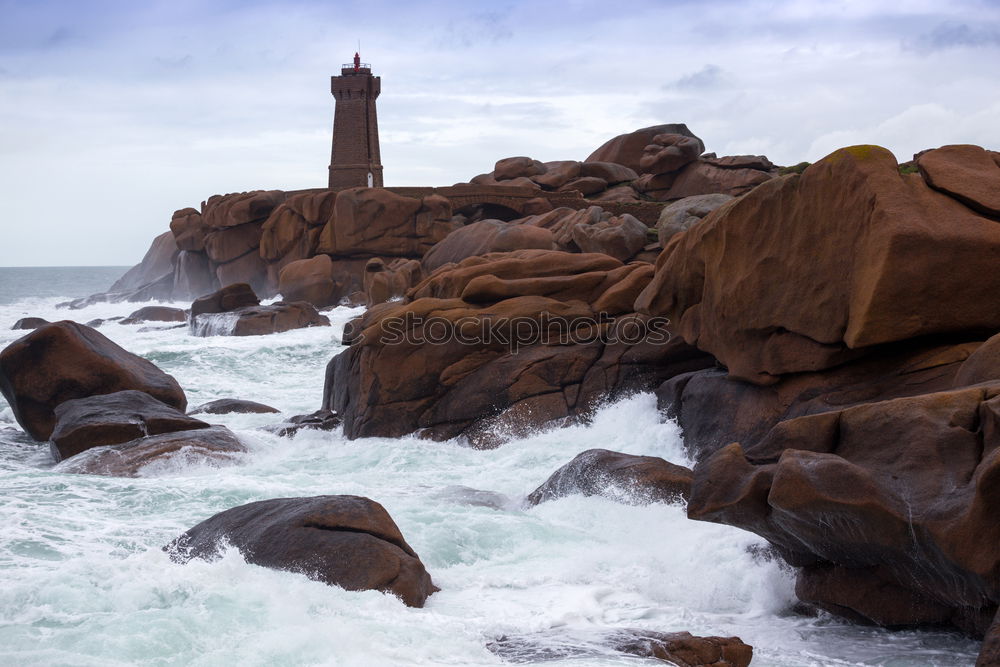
827, 338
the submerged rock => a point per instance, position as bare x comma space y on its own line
345, 541
678, 648
65, 360
225, 406
111, 419
321, 420
29, 323
215, 445
623, 477
156, 314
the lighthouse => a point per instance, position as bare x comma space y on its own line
355, 159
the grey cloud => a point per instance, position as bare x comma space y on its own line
709, 76
953, 35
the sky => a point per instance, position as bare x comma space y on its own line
114, 114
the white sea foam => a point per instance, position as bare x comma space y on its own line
83, 579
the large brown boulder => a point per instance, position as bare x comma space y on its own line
156, 314
309, 280
231, 210
230, 297
669, 152
484, 237
345, 541
628, 149
714, 409
216, 445
517, 167
65, 360
111, 419
888, 507
292, 230
623, 477
685, 213
189, 230
369, 222
384, 281
702, 178
967, 173
229, 243
610, 172
805, 272
508, 339
592, 230
557, 174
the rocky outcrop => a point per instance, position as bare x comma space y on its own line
215, 446
189, 230
622, 477
502, 342
310, 280
967, 173
685, 213
676, 648
369, 222
385, 281
155, 265
483, 237
629, 149
592, 230
156, 314
714, 409
65, 360
345, 541
111, 419
916, 480
669, 152
806, 272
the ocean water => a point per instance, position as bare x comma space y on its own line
83, 579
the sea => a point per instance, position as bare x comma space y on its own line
84, 579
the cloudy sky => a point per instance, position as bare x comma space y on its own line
113, 114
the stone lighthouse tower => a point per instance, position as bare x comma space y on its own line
355, 160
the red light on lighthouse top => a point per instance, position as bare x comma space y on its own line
357, 61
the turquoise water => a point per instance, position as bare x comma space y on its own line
83, 580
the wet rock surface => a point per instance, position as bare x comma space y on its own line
111, 419
224, 406
622, 477
678, 648
345, 541
215, 445
64, 361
